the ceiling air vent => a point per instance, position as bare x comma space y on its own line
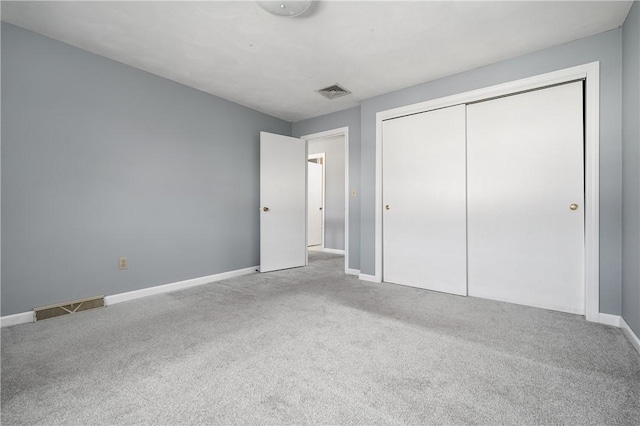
334, 91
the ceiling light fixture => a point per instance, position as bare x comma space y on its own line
286, 8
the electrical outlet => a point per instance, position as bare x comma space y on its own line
353, 193
124, 263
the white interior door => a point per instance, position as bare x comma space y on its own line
283, 216
424, 216
314, 206
525, 178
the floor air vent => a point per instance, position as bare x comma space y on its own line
65, 308
334, 91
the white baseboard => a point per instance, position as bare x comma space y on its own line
26, 317
630, 334
334, 251
370, 278
180, 285
618, 321
15, 319
350, 271
609, 319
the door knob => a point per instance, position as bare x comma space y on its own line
573, 207
265, 209
320, 208
387, 207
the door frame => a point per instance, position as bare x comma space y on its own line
341, 131
324, 182
590, 73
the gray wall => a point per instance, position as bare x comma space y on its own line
631, 169
347, 118
333, 148
101, 160
606, 48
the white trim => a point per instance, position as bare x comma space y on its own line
350, 271
334, 251
15, 319
337, 132
370, 278
633, 338
591, 73
180, 285
306, 203
608, 319
592, 191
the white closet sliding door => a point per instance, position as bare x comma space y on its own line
424, 216
526, 198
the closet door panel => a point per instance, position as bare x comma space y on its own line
526, 198
424, 215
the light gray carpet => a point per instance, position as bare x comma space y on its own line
313, 346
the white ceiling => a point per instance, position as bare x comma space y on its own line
239, 52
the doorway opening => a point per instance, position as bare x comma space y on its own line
328, 193
315, 201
